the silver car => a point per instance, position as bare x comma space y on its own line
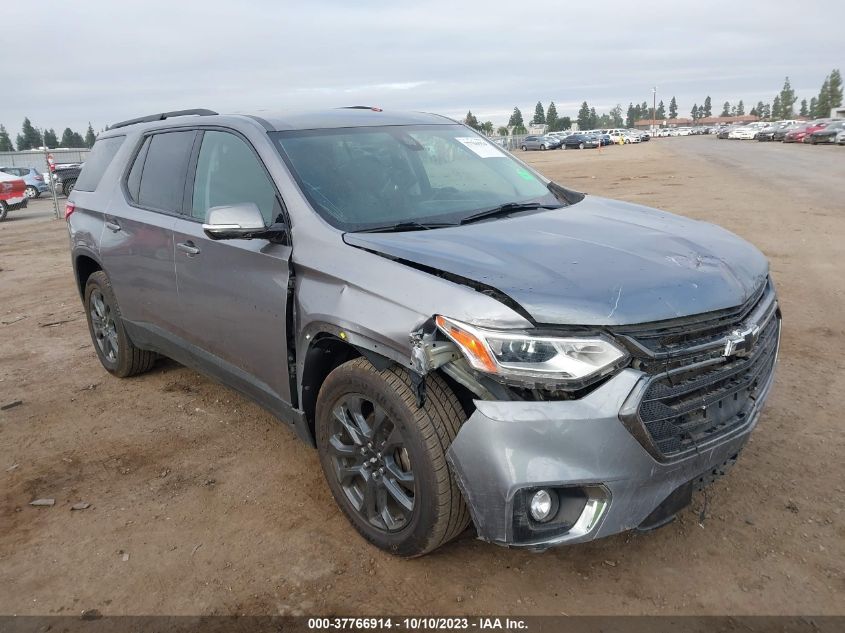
540, 142
461, 339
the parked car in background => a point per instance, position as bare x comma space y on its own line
540, 142
797, 134
65, 176
744, 133
781, 132
581, 141
767, 133
35, 183
828, 134
12, 194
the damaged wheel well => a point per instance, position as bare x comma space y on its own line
327, 352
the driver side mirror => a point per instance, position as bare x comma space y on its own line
234, 221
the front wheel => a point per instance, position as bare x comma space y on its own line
580, 146
31, 192
524, 148
543, 147
4, 210
384, 457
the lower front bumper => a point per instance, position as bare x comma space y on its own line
507, 447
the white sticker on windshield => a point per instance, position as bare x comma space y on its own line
480, 146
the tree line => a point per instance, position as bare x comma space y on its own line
31, 138
781, 107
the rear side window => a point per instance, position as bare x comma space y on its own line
133, 183
97, 162
162, 179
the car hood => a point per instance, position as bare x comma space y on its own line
598, 262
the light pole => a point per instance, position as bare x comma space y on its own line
653, 108
49, 173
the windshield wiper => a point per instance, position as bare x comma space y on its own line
406, 226
507, 209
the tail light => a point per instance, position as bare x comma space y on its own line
69, 208
39, 177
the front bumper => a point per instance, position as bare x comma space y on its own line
507, 447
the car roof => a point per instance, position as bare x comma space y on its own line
357, 116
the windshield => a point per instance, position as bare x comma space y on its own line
368, 177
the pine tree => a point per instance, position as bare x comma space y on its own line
5, 141
615, 116
72, 139
469, 120
759, 108
823, 102
539, 115
516, 119
645, 110
835, 88
90, 137
740, 108
594, 119
776, 109
584, 117
694, 112
754, 112
50, 138
813, 107
661, 111
708, 109
766, 111
551, 117
29, 138
726, 109
638, 113
787, 100
673, 108
629, 119
804, 111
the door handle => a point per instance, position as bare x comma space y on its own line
114, 227
188, 248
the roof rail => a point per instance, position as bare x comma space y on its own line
161, 116
361, 107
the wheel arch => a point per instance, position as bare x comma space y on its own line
84, 265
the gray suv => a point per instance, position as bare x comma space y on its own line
462, 340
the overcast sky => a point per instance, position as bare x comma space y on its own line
105, 60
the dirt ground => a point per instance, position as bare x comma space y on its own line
201, 503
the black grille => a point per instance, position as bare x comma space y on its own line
694, 398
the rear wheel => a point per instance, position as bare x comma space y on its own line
116, 352
31, 192
384, 457
524, 148
67, 186
543, 147
4, 210
580, 146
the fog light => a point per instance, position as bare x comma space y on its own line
543, 506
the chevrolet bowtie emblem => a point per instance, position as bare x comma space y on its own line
741, 342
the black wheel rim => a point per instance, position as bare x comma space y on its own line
371, 463
103, 326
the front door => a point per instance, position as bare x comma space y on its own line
233, 293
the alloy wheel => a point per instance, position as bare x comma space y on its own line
103, 326
371, 463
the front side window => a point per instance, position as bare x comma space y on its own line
361, 178
229, 172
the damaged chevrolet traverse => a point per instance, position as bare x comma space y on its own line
462, 340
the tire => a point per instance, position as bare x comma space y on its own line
4, 210
524, 148
32, 192
580, 146
354, 465
116, 351
67, 186
543, 147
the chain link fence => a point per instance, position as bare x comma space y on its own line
35, 158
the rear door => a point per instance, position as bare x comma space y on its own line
137, 241
233, 293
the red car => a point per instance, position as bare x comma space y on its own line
797, 135
12, 194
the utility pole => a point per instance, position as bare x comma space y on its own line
653, 109
50, 175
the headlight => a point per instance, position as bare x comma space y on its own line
542, 358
